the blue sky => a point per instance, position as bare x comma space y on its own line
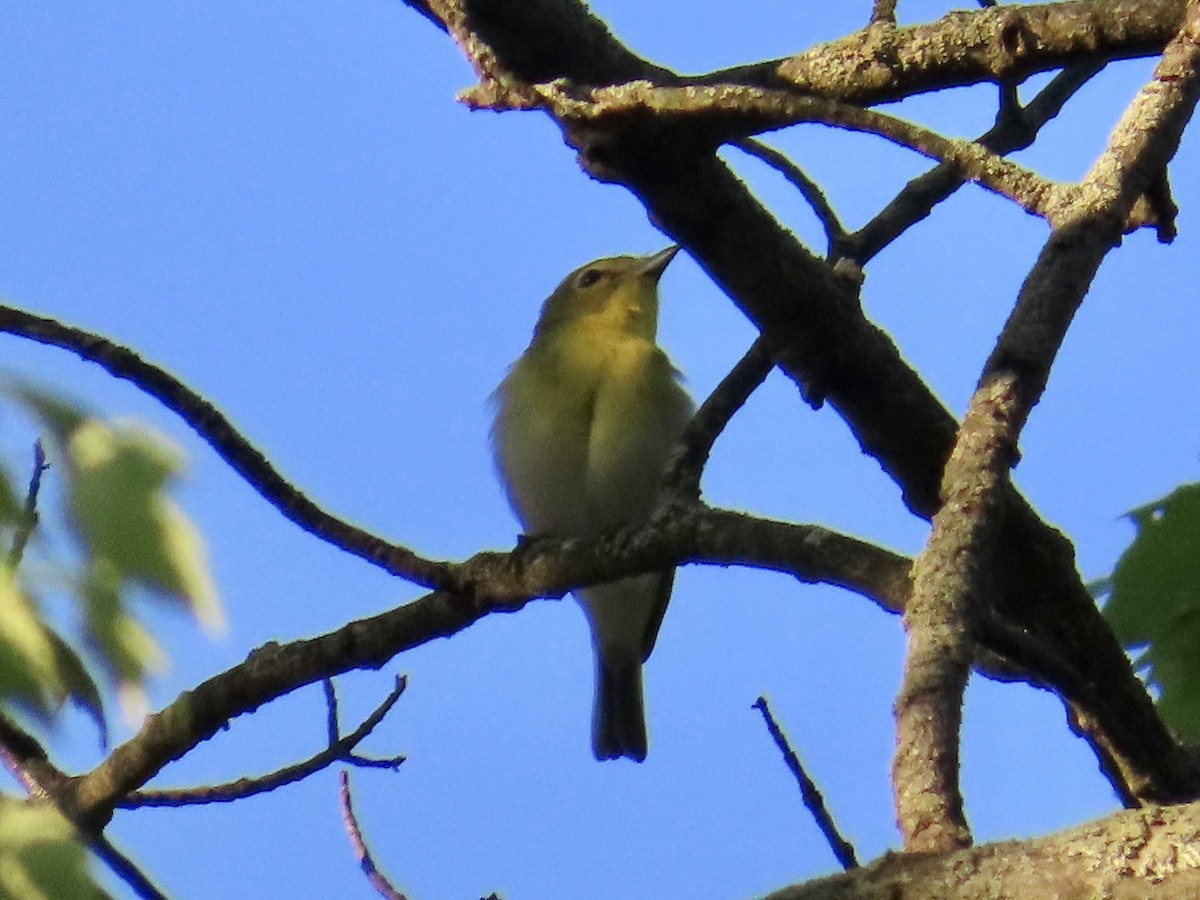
283, 204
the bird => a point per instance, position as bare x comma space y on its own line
586, 421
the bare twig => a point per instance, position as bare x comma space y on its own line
333, 728
203, 418
29, 516
883, 12
843, 850
376, 878
809, 189
1015, 129
713, 415
125, 869
339, 750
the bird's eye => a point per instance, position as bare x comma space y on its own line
589, 277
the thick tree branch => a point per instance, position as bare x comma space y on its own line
1006, 43
1146, 854
501, 583
951, 578
29, 764
548, 39
953, 575
27, 761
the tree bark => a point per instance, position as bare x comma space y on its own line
1145, 854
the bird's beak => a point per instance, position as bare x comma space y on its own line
652, 267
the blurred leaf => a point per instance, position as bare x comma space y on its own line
81, 687
60, 416
38, 669
29, 673
121, 512
11, 509
39, 856
1154, 602
124, 646
132, 539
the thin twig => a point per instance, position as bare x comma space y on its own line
374, 876
734, 111
835, 233
713, 415
1015, 129
842, 849
339, 750
332, 727
883, 12
125, 869
203, 418
29, 515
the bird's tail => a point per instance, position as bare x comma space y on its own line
618, 719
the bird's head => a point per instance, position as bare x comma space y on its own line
617, 292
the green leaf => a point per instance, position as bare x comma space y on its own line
1154, 602
125, 648
122, 515
38, 669
40, 859
133, 541
80, 685
29, 673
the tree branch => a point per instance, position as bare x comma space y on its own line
1145, 853
203, 418
683, 476
1007, 43
729, 112
502, 583
29, 515
1014, 130
835, 233
872, 66
375, 878
952, 576
883, 12
950, 580
842, 849
340, 749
